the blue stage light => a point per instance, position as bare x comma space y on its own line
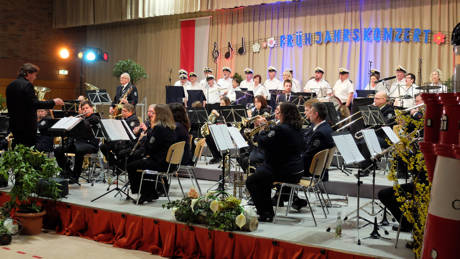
90, 55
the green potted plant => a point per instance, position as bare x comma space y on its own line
136, 72
28, 169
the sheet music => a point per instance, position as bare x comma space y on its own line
238, 139
348, 149
372, 142
66, 123
221, 137
128, 130
114, 130
390, 134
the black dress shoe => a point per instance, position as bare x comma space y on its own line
144, 199
298, 204
266, 217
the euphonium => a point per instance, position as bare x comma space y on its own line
211, 120
40, 91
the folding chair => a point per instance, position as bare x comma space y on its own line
190, 169
174, 159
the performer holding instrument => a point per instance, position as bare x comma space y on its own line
126, 93
85, 143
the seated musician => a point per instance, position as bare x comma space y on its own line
260, 107
182, 130
86, 143
115, 151
44, 140
388, 112
283, 161
318, 137
158, 140
287, 92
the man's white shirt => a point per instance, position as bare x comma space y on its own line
321, 87
249, 85
342, 89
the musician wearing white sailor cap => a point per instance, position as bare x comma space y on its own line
248, 83
318, 84
273, 83
194, 84
400, 82
225, 83
184, 83
211, 91
206, 71
343, 88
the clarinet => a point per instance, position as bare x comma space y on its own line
143, 133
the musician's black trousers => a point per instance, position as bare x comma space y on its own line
388, 198
259, 186
80, 149
212, 147
148, 187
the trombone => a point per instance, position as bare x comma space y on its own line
348, 118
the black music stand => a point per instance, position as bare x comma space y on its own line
116, 130
372, 116
244, 97
300, 98
174, 94
365, 93
197, 115
195, 95
98, 97
233, 113
332, 116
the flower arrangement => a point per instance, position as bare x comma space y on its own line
216, 209
414, 205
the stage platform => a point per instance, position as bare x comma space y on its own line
77, 216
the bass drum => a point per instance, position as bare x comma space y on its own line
341, 109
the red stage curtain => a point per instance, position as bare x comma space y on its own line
170, 239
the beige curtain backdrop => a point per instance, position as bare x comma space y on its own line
70, 13
155, 43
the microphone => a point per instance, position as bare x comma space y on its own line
386, 79
170, 72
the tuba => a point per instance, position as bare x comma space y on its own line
40, 91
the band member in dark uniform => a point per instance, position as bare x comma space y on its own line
158, 140
182, 130
286, 96
260, 106
122, 90
22, 105
388, 111
116, 151
44, 140
318, 138
283, 161
84, 143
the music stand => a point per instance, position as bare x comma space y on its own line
244, 97
365, 93
197, 115
174, 94
332, 116
97, 97
300, 98
195, 95
116, 130
233, 113
372, 116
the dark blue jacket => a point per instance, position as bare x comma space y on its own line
316, 141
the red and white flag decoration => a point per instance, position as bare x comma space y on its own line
194, 38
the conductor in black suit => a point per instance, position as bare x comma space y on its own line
318, 137
22, 105
122, 89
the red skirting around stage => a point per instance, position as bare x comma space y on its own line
169, 238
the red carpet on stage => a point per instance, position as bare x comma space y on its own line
169, 238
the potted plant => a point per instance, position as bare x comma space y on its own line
136, 72
28, 168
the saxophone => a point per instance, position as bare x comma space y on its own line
117, 111
204, 130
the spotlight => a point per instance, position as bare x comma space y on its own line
80, 55
90, 55
64, 53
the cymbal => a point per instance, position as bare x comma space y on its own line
427, 87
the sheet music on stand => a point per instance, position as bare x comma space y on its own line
99, 97
66, 124
115, 130
372, 142
237, 138
391, 134
128, 130
221, 137
348, 148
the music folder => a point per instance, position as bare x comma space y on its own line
65, 124
347, 147
116, 130
390, 134
372, 142
237, 138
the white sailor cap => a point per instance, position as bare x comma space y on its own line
183, 76
192, 74
182, 71
272, 68
319, 69
226, 69
207, 69
343, 70
401, 68
375, 71
210, 77
248, 71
